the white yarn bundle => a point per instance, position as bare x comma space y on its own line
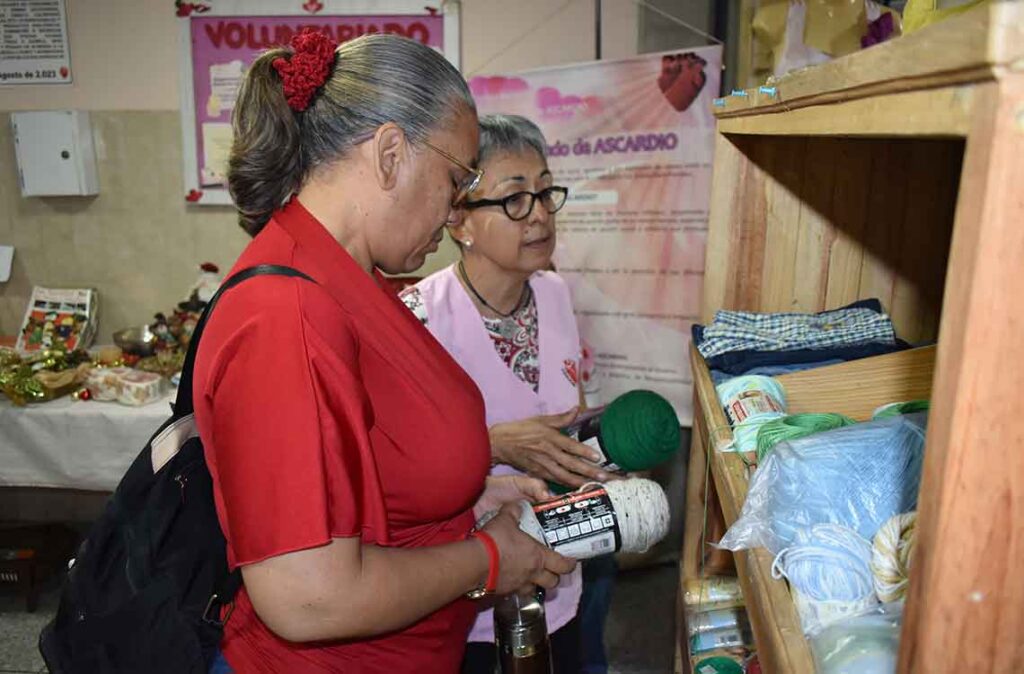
891, 554
828, 567
641, 510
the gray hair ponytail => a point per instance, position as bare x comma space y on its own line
376, 79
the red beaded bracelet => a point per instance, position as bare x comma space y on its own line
494, 565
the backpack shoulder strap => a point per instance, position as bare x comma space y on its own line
183, 403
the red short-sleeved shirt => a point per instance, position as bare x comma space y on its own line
327, 411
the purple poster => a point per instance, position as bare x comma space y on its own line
224, 46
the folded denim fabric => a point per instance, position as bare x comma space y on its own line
741, 362
717, 376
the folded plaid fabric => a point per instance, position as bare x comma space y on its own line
746, 331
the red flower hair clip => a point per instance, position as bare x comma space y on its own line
308, 68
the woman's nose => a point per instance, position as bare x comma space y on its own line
538, 214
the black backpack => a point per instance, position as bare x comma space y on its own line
145, 591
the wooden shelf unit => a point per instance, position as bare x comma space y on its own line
897, 173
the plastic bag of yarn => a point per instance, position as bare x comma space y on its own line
712, 592
750, 401
867, 643
858, 476
699, 622
724, 638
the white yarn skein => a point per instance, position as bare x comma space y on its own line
829, 570
641, 510
891, 554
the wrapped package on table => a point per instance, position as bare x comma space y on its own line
125, 385
140, 388
104, 383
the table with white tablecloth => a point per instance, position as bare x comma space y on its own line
70, 444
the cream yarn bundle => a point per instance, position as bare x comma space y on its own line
891, 555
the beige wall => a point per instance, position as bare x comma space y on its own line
125, 52
137, 242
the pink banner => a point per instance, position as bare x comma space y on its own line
633, 141
224, 46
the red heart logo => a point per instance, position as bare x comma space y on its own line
313, 6
64, 72
193, 196
682, 78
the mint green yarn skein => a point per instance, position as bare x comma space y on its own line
639, 430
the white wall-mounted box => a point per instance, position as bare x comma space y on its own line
55, 153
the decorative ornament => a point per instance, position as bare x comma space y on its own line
185, 9
307, 69
82, 395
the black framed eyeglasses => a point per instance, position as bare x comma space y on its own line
519, 205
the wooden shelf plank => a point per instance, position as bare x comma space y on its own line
857, 388
964, 606
780, 642
964, 49
935, 113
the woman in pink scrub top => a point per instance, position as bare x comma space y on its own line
509, 323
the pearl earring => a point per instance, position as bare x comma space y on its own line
468, 243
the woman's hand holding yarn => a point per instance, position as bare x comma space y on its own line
524, 562
538, 447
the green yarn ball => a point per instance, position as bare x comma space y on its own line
640, 430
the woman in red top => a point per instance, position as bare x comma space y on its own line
347, 448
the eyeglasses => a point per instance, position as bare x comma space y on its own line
469, 184
519, 205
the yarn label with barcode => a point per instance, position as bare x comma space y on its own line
580, 525
587, 430
751, 403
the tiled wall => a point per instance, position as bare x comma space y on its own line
136, 242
